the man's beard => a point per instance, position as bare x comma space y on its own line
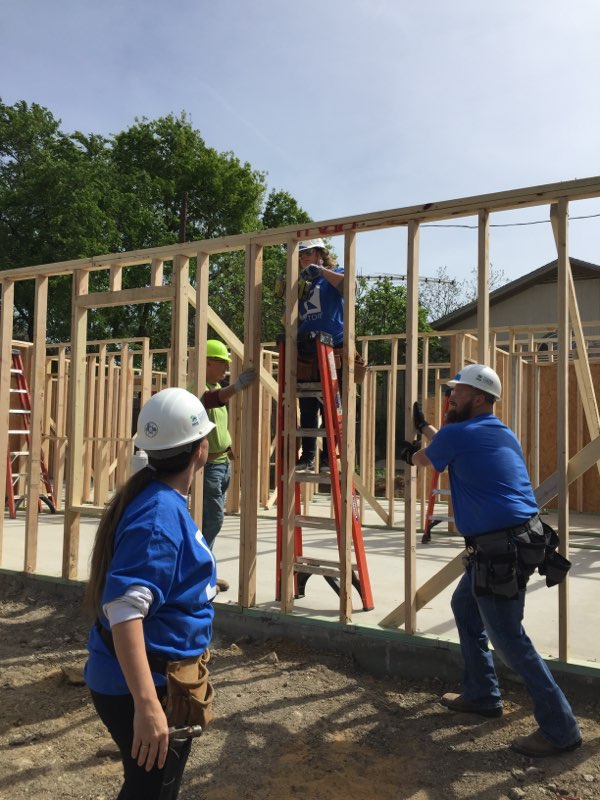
454, 415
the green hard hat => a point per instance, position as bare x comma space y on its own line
217, 349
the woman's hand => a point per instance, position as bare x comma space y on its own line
150, 735
312, 272
150, 729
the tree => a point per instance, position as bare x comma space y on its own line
157, 160
74, 196
57, 202
226, 286
443, 294
381, 309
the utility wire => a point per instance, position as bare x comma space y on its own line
391, 276
500, 224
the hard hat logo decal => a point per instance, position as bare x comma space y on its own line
194, 420
151, 429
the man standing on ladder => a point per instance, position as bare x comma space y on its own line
217, 470
496, 511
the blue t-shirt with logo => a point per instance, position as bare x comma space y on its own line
323, 310
158, 545
489, 482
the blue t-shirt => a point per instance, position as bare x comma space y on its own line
488, 477
158, 545
323, 310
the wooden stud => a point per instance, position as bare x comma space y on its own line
290, 423
483, 288
266, 448
562, 429
6, 335
250, 449
60, 453
235, 431
74, 487
200, 337
390, 457
100, 444
157, 272
36, 390
179, 323
90, 403
116, 277
410, 396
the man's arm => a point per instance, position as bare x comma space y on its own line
421, 424
336, 279
313, 271
421, 459
219, 397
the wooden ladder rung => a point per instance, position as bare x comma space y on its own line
318, 523
311, 477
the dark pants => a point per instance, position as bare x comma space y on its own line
309, 418
116, 712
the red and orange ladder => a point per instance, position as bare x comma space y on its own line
432, 519
328, 389
19, 432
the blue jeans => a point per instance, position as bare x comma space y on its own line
216, 482
500, 619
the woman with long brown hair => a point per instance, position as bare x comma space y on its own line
151, 584
320, 310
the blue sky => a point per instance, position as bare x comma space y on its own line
350, 105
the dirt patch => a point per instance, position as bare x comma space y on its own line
291, 723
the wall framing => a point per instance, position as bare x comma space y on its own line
572, 347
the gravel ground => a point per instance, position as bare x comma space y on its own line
290, 724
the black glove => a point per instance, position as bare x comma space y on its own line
407, 451
312, 272
419, 418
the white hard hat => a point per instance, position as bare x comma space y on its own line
481, 377
171, 418
308, 244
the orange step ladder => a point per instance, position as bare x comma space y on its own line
327, 389
432, 519
19, 431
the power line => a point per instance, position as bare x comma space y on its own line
500, 224
393, 277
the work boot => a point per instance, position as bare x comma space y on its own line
222, 585
455, 702
537, 746
305, 464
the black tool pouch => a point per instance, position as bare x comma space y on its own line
555, 569
554, 566
494, 567
531, 548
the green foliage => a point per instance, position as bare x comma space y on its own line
66, 197
227, 271
381, 309
56, 200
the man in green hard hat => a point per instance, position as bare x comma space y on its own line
217, 470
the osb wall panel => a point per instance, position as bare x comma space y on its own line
584, 495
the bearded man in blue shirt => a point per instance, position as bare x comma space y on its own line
496, 511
